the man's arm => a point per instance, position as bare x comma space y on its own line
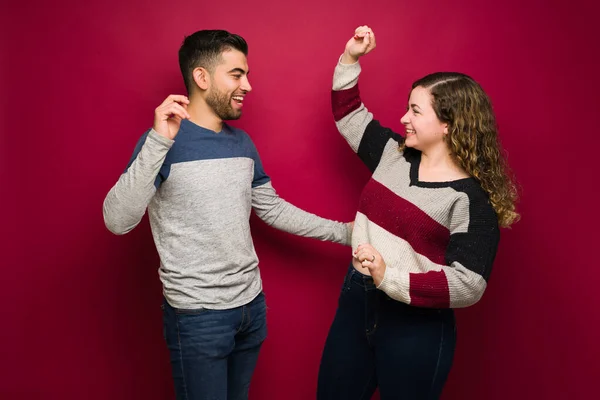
126, 203
282, 215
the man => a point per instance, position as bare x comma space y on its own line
199, 179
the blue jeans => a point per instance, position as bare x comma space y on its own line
377, 342
214, 352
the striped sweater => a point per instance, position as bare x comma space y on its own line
438, 239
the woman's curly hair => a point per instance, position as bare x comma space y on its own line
459, 101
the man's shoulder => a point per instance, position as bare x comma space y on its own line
241, 136
232, 130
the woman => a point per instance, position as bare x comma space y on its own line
425, 234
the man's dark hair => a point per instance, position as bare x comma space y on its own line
203, 49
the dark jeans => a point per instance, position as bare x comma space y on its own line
375, 341
214, 352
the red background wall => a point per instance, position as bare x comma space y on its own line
81, 316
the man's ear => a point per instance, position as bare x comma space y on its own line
201, 77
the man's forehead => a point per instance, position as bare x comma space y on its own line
234, 59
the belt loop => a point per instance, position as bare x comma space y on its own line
348, 278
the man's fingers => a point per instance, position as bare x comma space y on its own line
363, 246
182, 111
364, 255
178, 98
166, 111
175, 98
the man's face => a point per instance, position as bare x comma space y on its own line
229, 85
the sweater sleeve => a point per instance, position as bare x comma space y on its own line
468, 263
126, 203
365, 135
284, 216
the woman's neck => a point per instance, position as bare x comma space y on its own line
439, 165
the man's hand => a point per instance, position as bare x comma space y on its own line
360, 44
370, 258
168, 116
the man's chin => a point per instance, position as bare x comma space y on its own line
233, 117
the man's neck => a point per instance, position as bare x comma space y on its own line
202, 115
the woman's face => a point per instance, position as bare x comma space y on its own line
423, 128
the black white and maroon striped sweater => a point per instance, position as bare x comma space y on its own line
438, 239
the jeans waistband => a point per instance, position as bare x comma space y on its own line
360, 279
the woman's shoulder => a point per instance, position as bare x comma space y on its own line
478, 198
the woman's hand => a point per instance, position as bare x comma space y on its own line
360, 44
371, 259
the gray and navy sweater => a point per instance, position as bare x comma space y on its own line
438, 239
199, 190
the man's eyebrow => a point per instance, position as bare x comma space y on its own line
239, 70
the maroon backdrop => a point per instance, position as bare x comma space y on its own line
80, 81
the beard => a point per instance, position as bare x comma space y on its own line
221, 104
